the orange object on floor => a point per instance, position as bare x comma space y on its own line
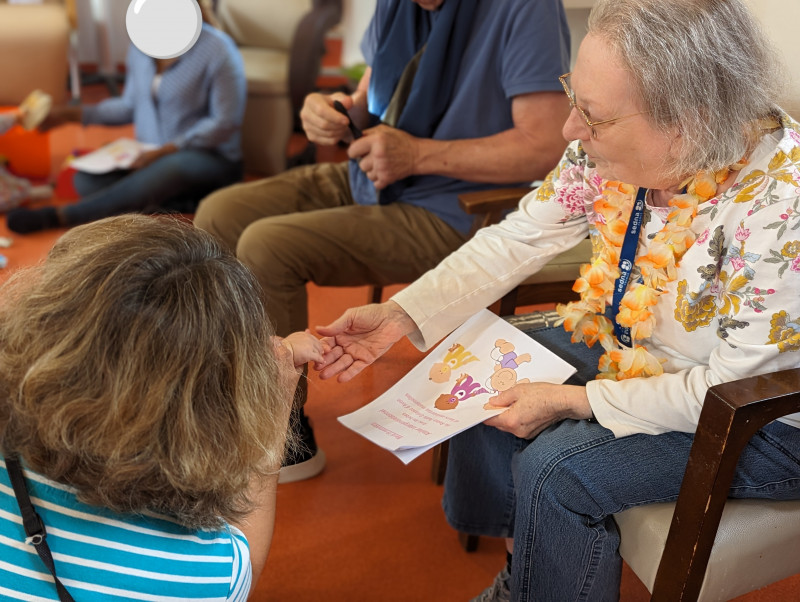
27, 152
64, 189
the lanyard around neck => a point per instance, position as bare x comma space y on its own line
626, 256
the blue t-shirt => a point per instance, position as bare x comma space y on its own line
515, 47
101, 556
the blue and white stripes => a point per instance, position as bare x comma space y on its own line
102, 556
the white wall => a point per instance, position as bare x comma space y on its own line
355, 18
102, 37
779, 19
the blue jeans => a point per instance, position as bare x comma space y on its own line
555, 495
178, 181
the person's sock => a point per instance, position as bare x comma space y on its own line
23, 221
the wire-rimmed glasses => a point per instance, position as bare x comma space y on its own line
564, 79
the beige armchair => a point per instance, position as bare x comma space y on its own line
282, 44
34, 50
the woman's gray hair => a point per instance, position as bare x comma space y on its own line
701, 66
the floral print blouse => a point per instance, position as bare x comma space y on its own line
733, 310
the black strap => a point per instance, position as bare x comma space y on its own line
34, 527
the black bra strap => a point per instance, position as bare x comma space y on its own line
34, 527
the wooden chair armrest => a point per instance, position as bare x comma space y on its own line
732, 413
489, 206
308, 47
483, 201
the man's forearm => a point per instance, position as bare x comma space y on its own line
526, 152
505, 157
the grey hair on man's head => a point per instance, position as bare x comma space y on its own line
701, 67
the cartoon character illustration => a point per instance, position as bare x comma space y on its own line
503, 379
455, 357
505, 370
504, 354
464, 388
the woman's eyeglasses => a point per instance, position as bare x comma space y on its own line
564, 79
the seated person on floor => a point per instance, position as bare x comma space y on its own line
191, 106
459, 95
146, 400
683, 183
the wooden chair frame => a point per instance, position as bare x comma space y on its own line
732, 413
308, 48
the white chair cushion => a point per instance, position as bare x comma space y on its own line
266, 71
757, 544
565, 266
261, 23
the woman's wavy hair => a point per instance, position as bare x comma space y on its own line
701, 66
136, 366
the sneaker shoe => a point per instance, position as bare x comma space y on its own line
498, 591
305, 460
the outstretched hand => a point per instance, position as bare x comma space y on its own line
360, 336
59, 116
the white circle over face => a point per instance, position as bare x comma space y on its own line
164, 29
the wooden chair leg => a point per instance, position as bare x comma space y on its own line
375, 294
468, 542
508, 303
439, 462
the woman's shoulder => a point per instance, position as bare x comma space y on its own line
770, 180
151, 543
65, 500
573, 183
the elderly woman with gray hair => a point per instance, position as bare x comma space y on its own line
686, 175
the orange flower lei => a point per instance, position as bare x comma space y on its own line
658, 267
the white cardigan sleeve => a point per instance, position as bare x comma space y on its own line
496, 259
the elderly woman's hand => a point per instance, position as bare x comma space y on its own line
532, 407
362, 335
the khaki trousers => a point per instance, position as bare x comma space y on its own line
303, 226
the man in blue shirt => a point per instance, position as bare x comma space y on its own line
459, 95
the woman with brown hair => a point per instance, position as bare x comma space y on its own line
143, 393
